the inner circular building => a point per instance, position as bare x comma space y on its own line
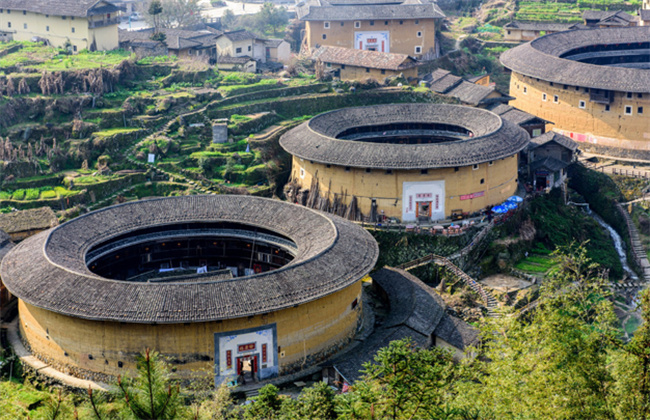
592, 84
231, 286
413, 162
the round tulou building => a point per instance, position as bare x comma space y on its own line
231, 285
593, 84
413, 162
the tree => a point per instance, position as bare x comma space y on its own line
403, 382
555, 363
267, 404
176, 13
631, 370
155, 10
272, 17
151, 395
228, 19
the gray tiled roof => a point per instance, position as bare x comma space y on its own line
324, 11
514, 115
470, 93
541, 59
539, 26
416, 312
240, 35
364, 58
77, 8
27, 220
612, 17
549, 163
493, 138
553, 136
331, 254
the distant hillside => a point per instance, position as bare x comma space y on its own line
569, 11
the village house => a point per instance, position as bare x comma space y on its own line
548, 157
243, 43
400, 27
533, 125
527, 31
608, 19
417, 312
350, 64
468, 93
181, 43
84, 24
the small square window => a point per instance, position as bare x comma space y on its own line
237, 50
326, 25
63, 17
368, 170
577, 88
417, 22
1, 11
24, 26
372, 23
383, 71
424, 171
508, 32
544, 97
24, 12
628, 110
302, 172
418, 50
475, 166
606, 107
8, 24
348, 169
343, 66
401, 22
556, 99
385, 22
367, 70
490, 163
419, 34
47, 16
73, 30
482, 180
566, 86
639, 95
389, 171
526, 89
71, 17
329, 64
582, 104
639, 110
551, 83
324, 37
629, 95
47, 29
8, 11
342, 23
74, 48
357, 24
328, 166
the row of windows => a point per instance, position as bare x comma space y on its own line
390, 171
628, 95
47, 28
357, 23
583, 104
25, 12
238, 50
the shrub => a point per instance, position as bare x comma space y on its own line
18, 194
48, 194
32, 194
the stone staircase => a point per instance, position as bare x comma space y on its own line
490, 301
638, 250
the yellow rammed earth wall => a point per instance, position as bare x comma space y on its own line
593, 123
499, 182
58, 30
92, 349
403, 37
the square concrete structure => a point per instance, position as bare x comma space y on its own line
219, 132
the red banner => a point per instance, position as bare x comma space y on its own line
474, 195
264, 354
229, 359
246, 347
